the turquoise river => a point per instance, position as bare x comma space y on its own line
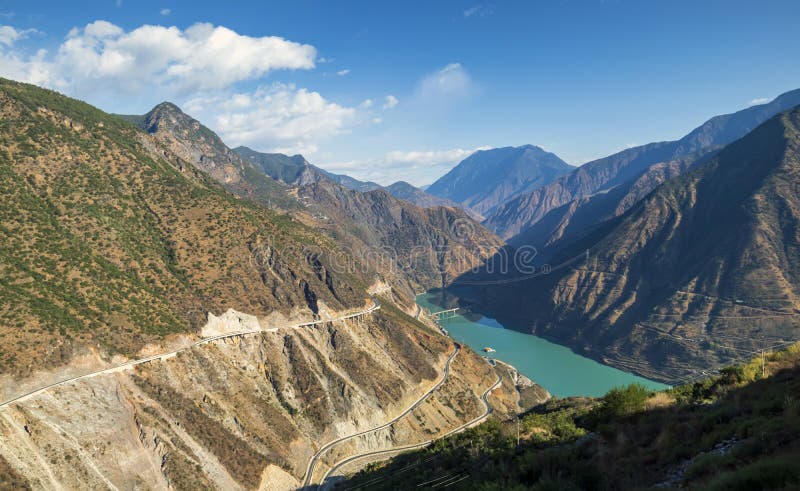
556, 368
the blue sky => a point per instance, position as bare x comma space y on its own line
403, 91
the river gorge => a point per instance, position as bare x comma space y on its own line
558, 369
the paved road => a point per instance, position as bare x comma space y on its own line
309, 476
163, 356
327, 481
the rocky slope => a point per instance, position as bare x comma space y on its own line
568, 223
426, 247
115, 246
621, 169
111, 240
246, 413
488, 178
193, 142
702, 270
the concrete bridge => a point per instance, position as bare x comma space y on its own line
444, 314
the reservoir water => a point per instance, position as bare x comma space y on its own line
556, 368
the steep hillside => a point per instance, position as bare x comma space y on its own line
284, 168
409, 254
703, 269
429, 247
247, 413
406, 246
488, 178
602, 175
739, 431
568, 223
110, 240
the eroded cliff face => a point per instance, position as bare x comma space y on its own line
247, 412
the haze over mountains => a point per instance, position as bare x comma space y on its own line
417, 196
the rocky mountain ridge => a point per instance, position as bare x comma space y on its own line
513, 218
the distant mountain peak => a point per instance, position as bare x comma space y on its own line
193, 142
167, 106
489, 178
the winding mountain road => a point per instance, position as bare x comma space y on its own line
163, 356
326, 482
315, 458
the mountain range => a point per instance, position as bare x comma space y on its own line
178, 314
703, 268
160, 327
369, 224
625, 174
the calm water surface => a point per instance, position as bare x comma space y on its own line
556, 368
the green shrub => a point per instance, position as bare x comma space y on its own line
770, 473
618, 402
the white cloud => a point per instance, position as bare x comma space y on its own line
9, 35
759, 100
416, 166
344, 72
166, 11
481, 10
198, 68
390, 102
103, 57
279, 117
452, 81
367, 103
429, 157
377, 120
